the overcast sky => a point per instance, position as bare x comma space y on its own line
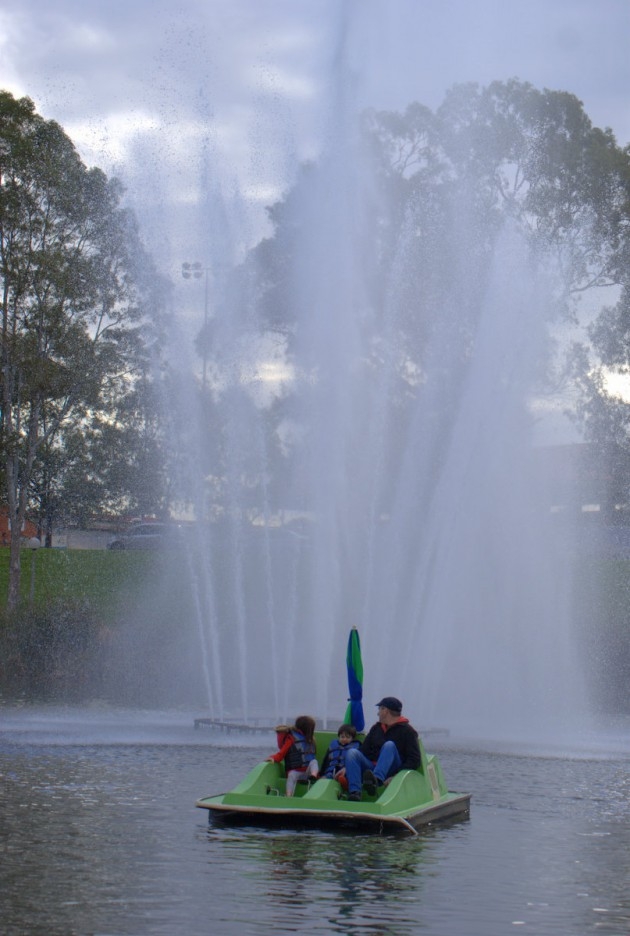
205, 107
201, 99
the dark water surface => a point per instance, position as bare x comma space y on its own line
99, 835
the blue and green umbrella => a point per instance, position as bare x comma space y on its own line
354, 665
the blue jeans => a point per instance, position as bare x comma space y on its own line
387, 765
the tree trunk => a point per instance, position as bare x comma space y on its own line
17, 486
13, 596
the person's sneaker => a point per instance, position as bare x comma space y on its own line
370, 782
355, 796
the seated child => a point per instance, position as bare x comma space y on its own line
297, 750
335, 759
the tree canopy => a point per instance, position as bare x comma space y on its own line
83, 422
80, 316
435, 190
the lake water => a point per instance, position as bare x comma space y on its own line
99, 835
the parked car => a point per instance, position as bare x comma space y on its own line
149, 536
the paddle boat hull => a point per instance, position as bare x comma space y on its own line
412, 799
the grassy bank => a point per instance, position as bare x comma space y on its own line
601, 621
121, 623
102, 579
116, 626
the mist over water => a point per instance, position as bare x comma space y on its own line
419, 514
490, 598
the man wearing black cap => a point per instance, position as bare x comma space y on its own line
389, 746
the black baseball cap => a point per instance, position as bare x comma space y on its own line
391, 703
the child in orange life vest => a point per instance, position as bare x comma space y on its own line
297, 750
335, 759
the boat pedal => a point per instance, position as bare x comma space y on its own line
271, 791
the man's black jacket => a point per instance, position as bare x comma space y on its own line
404, 736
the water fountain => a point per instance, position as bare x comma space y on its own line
395, 452
422, 522
402, 435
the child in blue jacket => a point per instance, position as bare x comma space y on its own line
335, 759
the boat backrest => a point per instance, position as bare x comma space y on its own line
323, 739
322, 743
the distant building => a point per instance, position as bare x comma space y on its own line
586, 479
28, 530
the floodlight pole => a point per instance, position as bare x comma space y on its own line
196, 271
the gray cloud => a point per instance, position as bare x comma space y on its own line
201, 100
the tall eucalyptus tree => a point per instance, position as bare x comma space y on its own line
76, 291
440, 186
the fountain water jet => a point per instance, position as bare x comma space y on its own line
442, 557
414, 361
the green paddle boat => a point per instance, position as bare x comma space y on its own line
411, 800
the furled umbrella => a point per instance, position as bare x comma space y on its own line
354, 665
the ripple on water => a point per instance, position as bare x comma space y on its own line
106, 838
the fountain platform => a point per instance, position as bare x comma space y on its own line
263, 726
230, 726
